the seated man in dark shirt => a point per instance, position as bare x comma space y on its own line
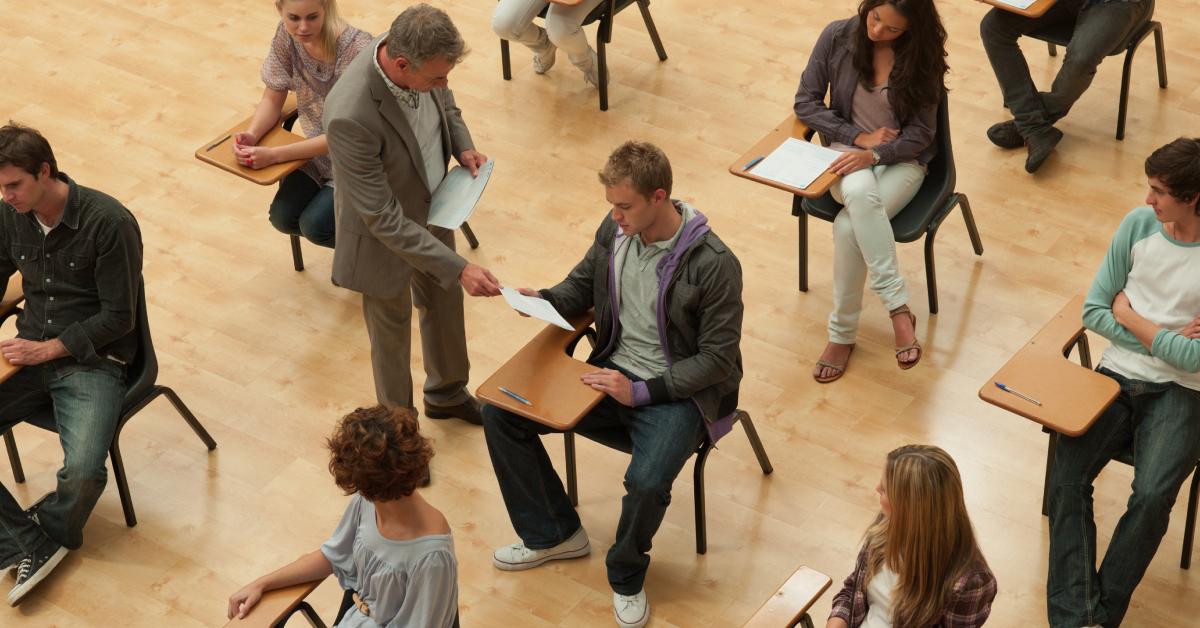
79, 253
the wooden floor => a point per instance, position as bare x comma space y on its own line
268, 358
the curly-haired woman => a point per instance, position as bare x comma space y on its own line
392, 548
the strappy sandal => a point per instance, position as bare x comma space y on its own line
915, 346
838, 369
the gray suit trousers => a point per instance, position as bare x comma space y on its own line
443, 340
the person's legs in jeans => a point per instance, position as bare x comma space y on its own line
538, 506
295, 192
1072, 588
1166, 444
317, 222
1000, 31
513, 20
664, 436
1098, 30
22, 396
87, 405
564, 25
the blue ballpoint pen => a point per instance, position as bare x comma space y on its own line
753, 163
515, 396
1021, 395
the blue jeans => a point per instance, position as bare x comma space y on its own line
84, 403
664, 436
1160, 423
303, 207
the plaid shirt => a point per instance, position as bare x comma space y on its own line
969, 606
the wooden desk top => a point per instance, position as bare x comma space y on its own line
543, 373
218, 152
1037, 9
791, 126
791, 601
1072, 396
12, 296
274, 605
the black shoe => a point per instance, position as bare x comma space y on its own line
1005, 135
1041, 144
468, 411
34, 568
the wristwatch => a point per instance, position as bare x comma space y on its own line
874, 157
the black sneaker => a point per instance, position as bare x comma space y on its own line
1005, 135
34, 568
1041, 144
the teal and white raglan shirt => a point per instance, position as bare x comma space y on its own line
1161, 277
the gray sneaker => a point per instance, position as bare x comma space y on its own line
34, 568
544, 53
517, 557
590, 68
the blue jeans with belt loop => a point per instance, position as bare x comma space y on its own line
1160, 422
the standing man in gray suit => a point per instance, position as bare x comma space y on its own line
392, 126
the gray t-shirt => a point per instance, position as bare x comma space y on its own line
403, 583
639, 349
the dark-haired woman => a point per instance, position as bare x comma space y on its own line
884, 70
392, 548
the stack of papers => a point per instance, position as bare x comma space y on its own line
455, 198
796, 163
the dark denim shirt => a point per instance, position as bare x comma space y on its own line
81, 280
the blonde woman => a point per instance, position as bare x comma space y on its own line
311, 48
919, 565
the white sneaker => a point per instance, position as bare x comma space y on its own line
544, 53
590, 68
631, 611
517, 557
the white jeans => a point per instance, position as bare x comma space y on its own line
513, 20
863, 244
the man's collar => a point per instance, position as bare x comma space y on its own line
70, 215
409, 97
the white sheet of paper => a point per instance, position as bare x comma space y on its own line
455, 198
796, 163
1020, 4
536, 307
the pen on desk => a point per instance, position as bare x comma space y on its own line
753, 163
218, 143
1021, 395
515, 396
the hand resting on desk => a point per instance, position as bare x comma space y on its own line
612, 383
251, 156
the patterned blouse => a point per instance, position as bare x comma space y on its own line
288, 67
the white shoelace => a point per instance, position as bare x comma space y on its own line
628, 601
23, 568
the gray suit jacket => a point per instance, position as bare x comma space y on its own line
381, 195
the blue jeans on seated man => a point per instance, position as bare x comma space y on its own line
664, 436
86, 404
1160, 422
303, 207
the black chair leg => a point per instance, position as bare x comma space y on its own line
118, 465
698, 484
1053, 50
801, 241
969, 218
1160, 51
602, 58
569, 450
806, 621
931, 271
1123, 103
297, 254
187, 415
309, 613
1085, 352
644, 7
14, 457
471, 239
755, 443
1053, 440
1189, 531
505, 61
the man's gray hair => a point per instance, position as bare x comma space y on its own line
421, 33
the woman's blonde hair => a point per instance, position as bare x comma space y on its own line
331, 28
927, 541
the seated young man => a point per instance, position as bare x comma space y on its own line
667, 295
1145, 300
79, 252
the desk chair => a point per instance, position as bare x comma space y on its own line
604, 14
921, 217
789, 605
617, 438
141, 375
1126, 457
1060, 35
289, 121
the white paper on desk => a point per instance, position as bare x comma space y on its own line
796, 163
455, 197
1020, 4
536, 307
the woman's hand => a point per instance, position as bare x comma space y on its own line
241, 602
1192, 329
851, 161
882, 135
256, 157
